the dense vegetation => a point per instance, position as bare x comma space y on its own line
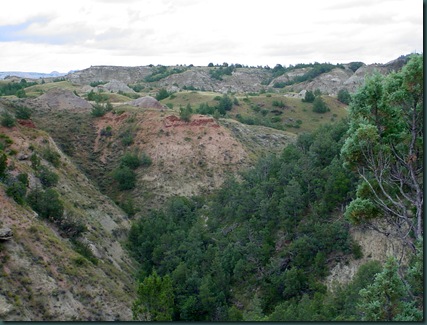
15, 88
260, 234
260, 247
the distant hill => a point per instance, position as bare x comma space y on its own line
32, 75
326, 77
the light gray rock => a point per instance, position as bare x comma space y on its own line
146, 102
6, 233
116, 86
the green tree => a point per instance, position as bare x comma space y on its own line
344, 96
225, 104
98, 110
125, 177
254, 311
21, 93
384, 299
162, 94
185, 113
308, 97
155, 299
319, 106
385, 148
17, 190
47, 177
46, 203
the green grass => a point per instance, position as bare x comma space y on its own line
295, 110
37, 90
194, 98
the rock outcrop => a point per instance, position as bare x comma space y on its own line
116, 86
242, 79
146, 102
57, 99
108, 73
6, 233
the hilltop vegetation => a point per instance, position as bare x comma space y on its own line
218, 193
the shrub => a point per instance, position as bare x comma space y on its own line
71, 226
130, 160
185, 113
128, 207
3, 163
52, 156
23, 178
125, 178
344, 96
35, 161
162, 94
17, 190
97, 97
7, 120
127, 139
21, 93
85, 251
98, 110
5, 141
107, 132
277, 103
23, 113
46, 203
97, 83
146, 160
47, 178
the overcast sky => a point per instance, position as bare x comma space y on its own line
48, 35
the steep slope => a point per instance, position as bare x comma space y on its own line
46, 274
188, 158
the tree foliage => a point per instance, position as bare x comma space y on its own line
319, 105
155, 299
386, 298
385, 147
308, 97
344, 96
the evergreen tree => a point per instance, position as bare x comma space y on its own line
308, 97
344, 96
384, 299
155, 299
319, 106
385, 147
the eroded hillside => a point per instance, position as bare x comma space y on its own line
47, 272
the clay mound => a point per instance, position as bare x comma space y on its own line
146, 102
116, 86
62, 99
